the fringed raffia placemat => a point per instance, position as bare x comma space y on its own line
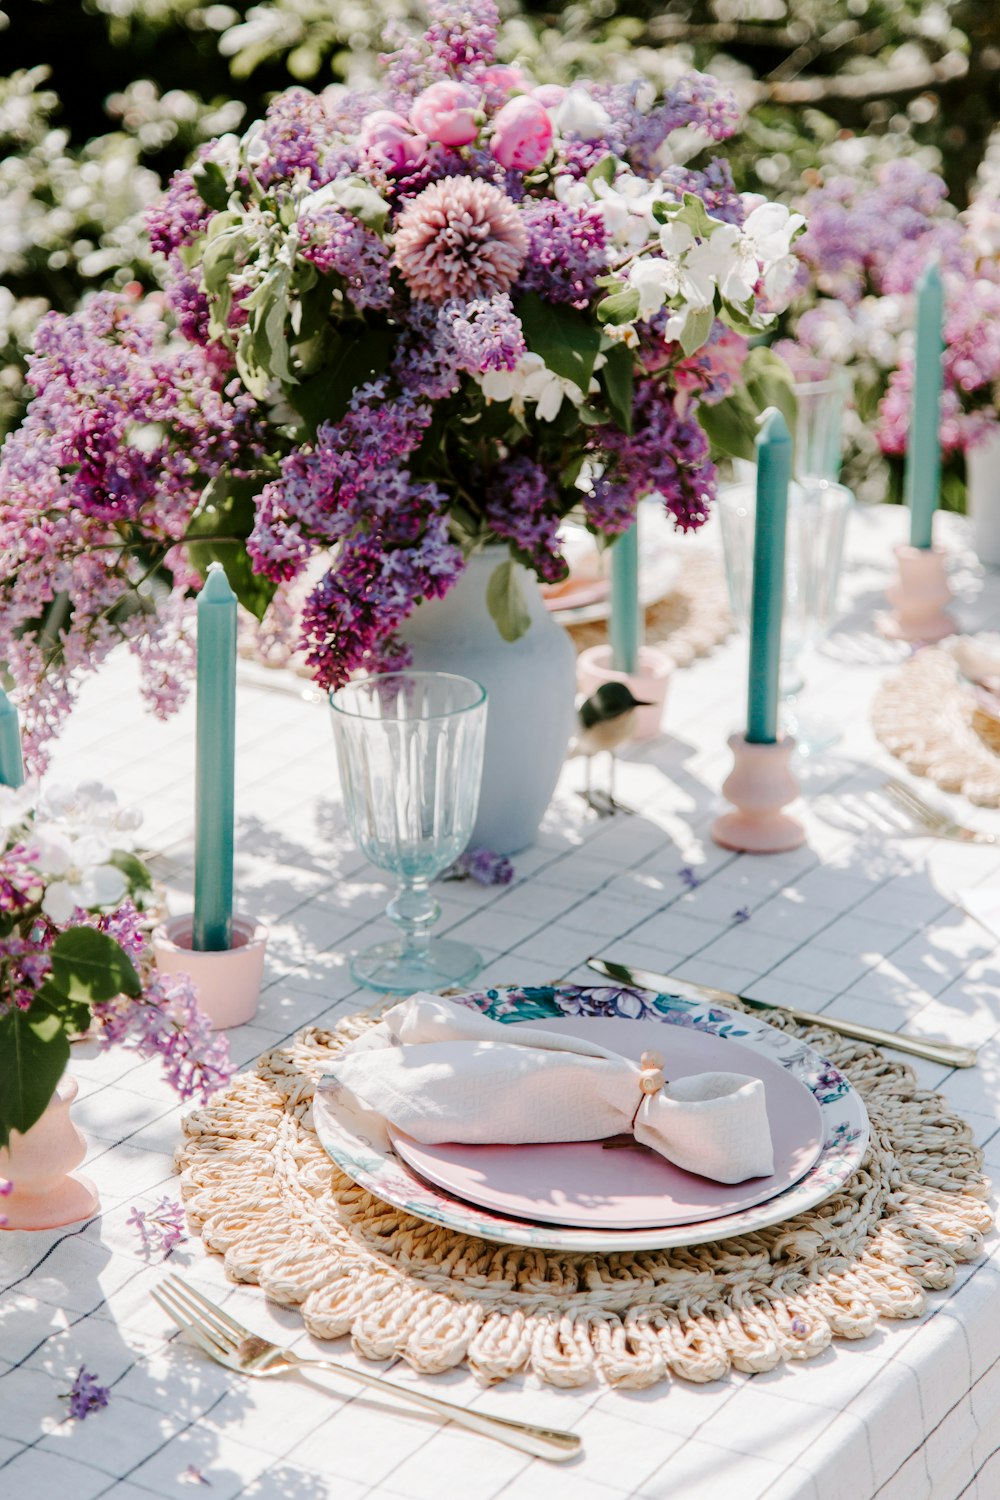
265, 1195
926, 714
690, 621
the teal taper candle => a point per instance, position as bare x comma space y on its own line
774, 470
11, 764
625, 628
216, 763
922, 484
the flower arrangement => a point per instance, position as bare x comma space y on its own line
74, 953
870, 237
395, 326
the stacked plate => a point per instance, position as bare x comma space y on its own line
618, 1196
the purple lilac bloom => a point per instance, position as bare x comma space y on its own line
742, 914
483, 866
712, 184
855, 229
424, 364
697, 101
351, 474
667, 453
350, 618
86, 1395
160, 1228
688, 876
340, 245
567, 251
165, 1023
178, 216
294, 138
519, 509
484, 334
126, 426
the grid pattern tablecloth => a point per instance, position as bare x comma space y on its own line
859, 924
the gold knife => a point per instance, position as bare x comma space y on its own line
670, 984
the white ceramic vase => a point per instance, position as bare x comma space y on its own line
530, 687
982, 470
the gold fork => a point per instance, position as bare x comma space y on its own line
234, 1346
936, 823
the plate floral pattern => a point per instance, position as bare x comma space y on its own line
352, 1143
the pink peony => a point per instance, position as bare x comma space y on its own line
549, 95
387, 138
500, 81
522, 134
460, 237
446, 112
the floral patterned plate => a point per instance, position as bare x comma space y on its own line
357, 1141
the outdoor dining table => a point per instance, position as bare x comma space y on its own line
858, 923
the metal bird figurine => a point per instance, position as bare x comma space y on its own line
606, 721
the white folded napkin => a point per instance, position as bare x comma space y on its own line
442, 1072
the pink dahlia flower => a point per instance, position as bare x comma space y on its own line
387, 138
446, 112
460, 237
522, 134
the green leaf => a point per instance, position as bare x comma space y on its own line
603, 171
34, 1051
132, 867
618, 378
690, 211
562, 336
731, 426
356, 196
769, 382
210, 181
620, 307
697, 327
323, 397
505, 601
217, 532
88, 965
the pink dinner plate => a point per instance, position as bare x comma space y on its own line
586, 1185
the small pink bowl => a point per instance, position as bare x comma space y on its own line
227, 983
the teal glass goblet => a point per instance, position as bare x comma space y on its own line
410, 752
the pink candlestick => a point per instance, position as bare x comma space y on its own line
759, 785
918, 597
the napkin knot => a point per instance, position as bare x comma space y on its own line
651, 1079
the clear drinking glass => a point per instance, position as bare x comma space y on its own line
410, 751
819, 427
814, 547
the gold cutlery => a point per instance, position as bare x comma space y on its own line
936, 823
939, 1052
234, 1346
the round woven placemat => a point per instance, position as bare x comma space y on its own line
689, 622
264, 1194
926, 714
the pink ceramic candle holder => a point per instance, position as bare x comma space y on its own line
40, 1163
759, 785
649, 684
918, 598
227, 984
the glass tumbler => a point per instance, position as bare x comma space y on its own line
814, 547
819, 427
410, 752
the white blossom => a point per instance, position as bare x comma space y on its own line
581, 115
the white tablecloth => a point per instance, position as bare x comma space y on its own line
857, 924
